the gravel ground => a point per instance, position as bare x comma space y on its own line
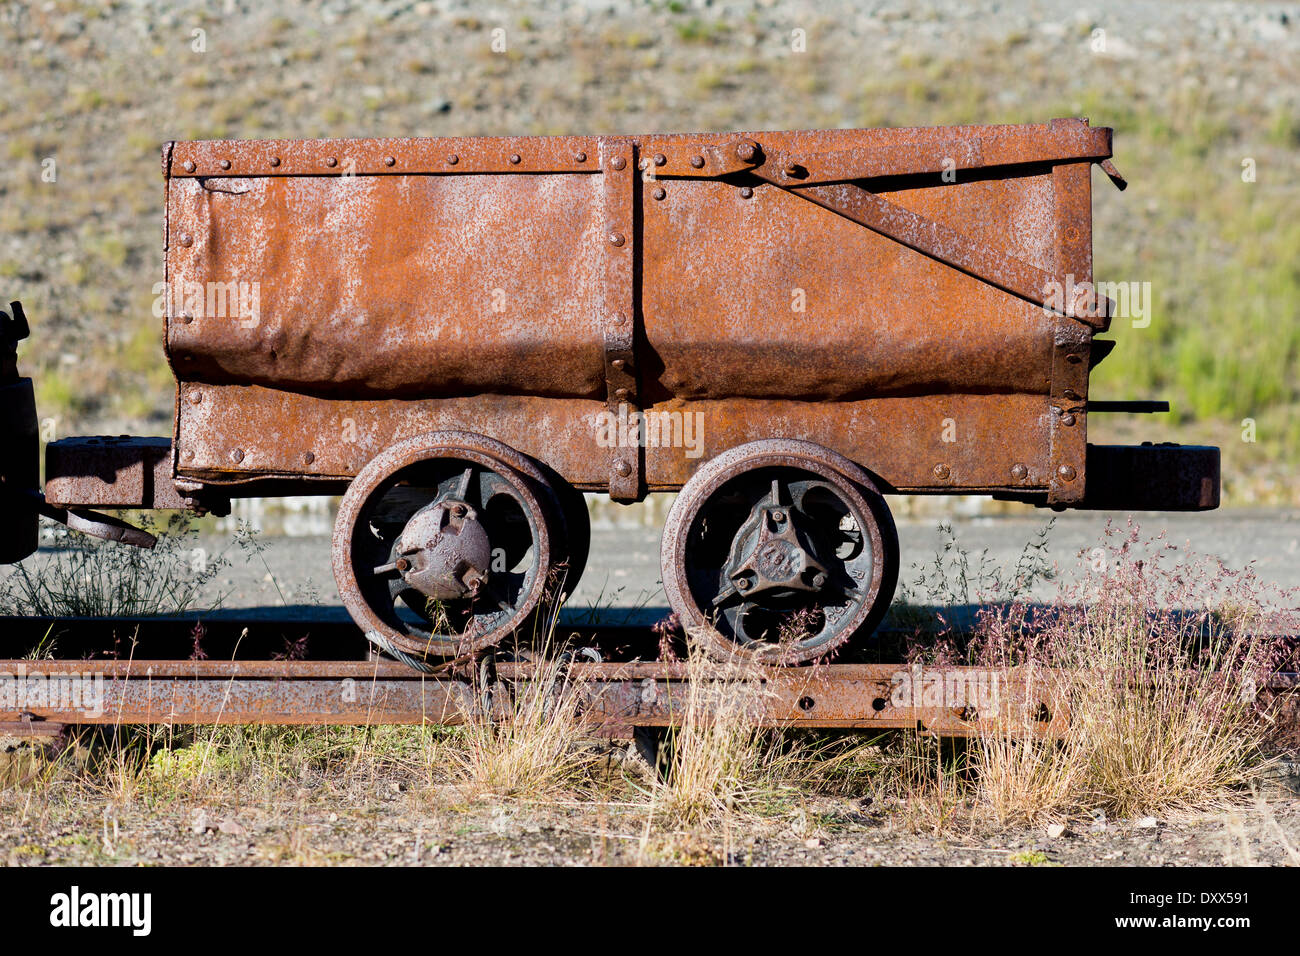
384, 822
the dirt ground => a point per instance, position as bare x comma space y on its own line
383, 819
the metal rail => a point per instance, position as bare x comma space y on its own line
40, 697
614, 698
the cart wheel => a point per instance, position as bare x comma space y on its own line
444, 545
779, 551
575, 542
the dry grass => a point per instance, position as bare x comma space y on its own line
527, 742
722, 765
90, 577
1164, 715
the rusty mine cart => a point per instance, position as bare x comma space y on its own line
460, 336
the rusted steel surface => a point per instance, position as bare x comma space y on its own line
401, 156
444, 550
111, 472
844, 154
1003, 446
944, 244
615, 697
573, 276
617, 305
620, 314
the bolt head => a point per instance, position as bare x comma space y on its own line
746, 151
819, 580
618, 363
659, 192
331, 162
1019, 472
453, 159
622, 469
187, 239
778, 516
746, 192
616, 239
660, 159
941, 472
1067, 472
196, 398
618, 162
619, 318
579, 157
390, 160
237, 455
308, 457
697, 162
224, 164
1067, 419
744, 584
515, 159
189, 166
275, 160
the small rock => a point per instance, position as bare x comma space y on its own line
1056, 830
1146, 823
813, 843
231, 828
200, 823
69, 27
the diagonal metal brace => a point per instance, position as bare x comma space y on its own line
953, 248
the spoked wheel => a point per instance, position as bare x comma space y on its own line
444, 545
779, 551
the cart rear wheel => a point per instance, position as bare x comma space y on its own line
779, 551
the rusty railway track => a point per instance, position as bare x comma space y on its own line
320, 671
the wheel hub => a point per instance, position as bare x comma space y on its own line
443, 551
772, 553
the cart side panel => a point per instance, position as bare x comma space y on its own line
387, 285
240, 433
766, 295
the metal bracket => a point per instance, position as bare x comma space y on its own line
617, 321
1072, 342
